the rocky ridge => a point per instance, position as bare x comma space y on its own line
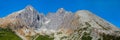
62, 25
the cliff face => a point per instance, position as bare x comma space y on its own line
64, 25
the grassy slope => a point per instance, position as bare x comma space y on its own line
7, 34
41, 37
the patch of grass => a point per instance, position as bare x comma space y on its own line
86, 36
59, 33
88, 25
110, 37
99, 39
7, 34
63, 37
85, 28
44, 37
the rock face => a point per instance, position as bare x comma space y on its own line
62, 25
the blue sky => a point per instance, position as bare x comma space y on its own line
107, 9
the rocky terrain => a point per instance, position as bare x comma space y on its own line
62, 25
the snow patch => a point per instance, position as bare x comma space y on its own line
47, 22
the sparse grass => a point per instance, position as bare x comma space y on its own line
44, 37
7, 34
88, 25
59, 33
110, 37
63, 37
86, 36
99, 39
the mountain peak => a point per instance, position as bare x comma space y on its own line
29, 7
61, 10
27, 11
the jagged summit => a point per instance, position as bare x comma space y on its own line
29, 7
28, 11
61, 10
62, 25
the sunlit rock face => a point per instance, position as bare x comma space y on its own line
29, 16
62, 25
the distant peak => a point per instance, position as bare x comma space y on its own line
29, 6
61, 10
83, 11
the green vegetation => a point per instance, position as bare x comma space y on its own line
63, 37
59, 33
85, 28
8, 34
88, 25
86, 36
44, 37
99, 39
110, 37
